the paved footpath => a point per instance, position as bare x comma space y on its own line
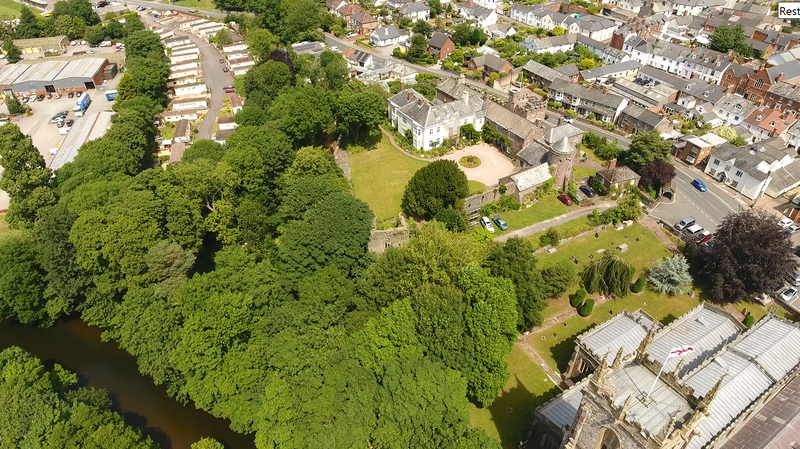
545, 225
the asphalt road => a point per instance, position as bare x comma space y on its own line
213, 76
709, 207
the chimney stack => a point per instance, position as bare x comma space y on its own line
466, 96
612, 163
421, 102
779, 78
410, 95
402, 86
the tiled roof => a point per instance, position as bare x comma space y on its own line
568, 69
510, 121
616, 175
533, 154
607, 70
385, 33
557, 133
735, 104
790, 70
437, 40
737, 70
743, 160
650, 118
425, 113
493, 62
583, 92
562, 410
544, 72
772, 120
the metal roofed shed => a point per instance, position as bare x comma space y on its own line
81, 75
39, 78
90, 127
41, 44
9, 73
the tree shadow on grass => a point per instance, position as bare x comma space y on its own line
512, 411
367, 142
562, 352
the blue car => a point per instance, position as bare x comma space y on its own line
698, 184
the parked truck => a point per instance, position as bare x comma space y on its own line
111, 95
80, 106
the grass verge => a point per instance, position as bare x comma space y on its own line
380, 174
544, 209
11, 9
200, 4
476, 187
527, 388
582, 172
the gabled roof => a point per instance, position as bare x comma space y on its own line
616, 175
743, 160
568, 69
786, 90
386, 33
556, 133
650, 118
493, 62
583, 92
510, 121
607, 70
735, 104
705, 328
532, 177
425, 113
737, 70
356, 55
544, 72
772, 120
411, 8
533, 154
595, 23
437, 40
790, 70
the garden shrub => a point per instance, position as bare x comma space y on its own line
638, 286
550, 237
586, 309
576, 300
748, 321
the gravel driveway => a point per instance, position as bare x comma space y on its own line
494, 164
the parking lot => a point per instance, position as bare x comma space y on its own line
46, 135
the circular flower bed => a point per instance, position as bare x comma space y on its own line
470, 161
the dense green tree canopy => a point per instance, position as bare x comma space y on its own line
434, 187
647, 147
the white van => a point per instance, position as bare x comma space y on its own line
54, 151
105, 44
64, 131
686, 222
693, 229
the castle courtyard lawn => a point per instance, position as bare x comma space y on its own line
380, 175
11, 9
527, 388
476, 187
544, 209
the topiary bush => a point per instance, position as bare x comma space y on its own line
639, 285
586, 309
748, 321
576, 300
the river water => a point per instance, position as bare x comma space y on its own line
78, 348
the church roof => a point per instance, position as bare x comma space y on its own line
705, 328
625, 330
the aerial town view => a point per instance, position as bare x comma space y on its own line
391, 224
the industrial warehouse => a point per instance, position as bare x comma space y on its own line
46, 77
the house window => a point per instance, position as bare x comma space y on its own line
431, 132
759, 83
728, 76
734, 183
438, 129
716, 161
771, 96
738, 173
610, 440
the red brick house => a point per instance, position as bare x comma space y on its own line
753, 84
441, 44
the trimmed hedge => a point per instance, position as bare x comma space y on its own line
577, 299
748, 321
639, 285
586, 308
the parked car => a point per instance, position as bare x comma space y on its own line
500, 223
84, 42
57, 96
141, 8
698, 184
789, 294
334, 48
40, 97
60, 123
588, 191
70, 95
229, 90
93, 46
784, 222
58, 117
24, 99
74, 43
221, 60
64, 131
49, 95
567, 120
70, 122
688, 221
693, 229
565, 199
793, 228
225, 69
486, 223
794, 278
31, 99
54, 151
703, 237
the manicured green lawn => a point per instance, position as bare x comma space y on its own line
557, 350
527, 388
380, 175
201, 4
476, 187
11, 9
544, 209
590, 153
582, 172
568, 229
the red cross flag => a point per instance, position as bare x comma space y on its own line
679, 351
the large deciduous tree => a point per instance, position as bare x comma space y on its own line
435, 186
13, 54
658, 174
304, 114
514, 260
264, 82
726, 38
28, 26
748, 255
25, 177
260, 42
141, 44
334, 232
359, 109
647, 147
21, 281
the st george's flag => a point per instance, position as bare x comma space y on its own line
679, 351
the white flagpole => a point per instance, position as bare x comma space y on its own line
659, 375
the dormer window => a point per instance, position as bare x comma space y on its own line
705, 94
694, 56
705, 60
718, 64
758, 119
738, 106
